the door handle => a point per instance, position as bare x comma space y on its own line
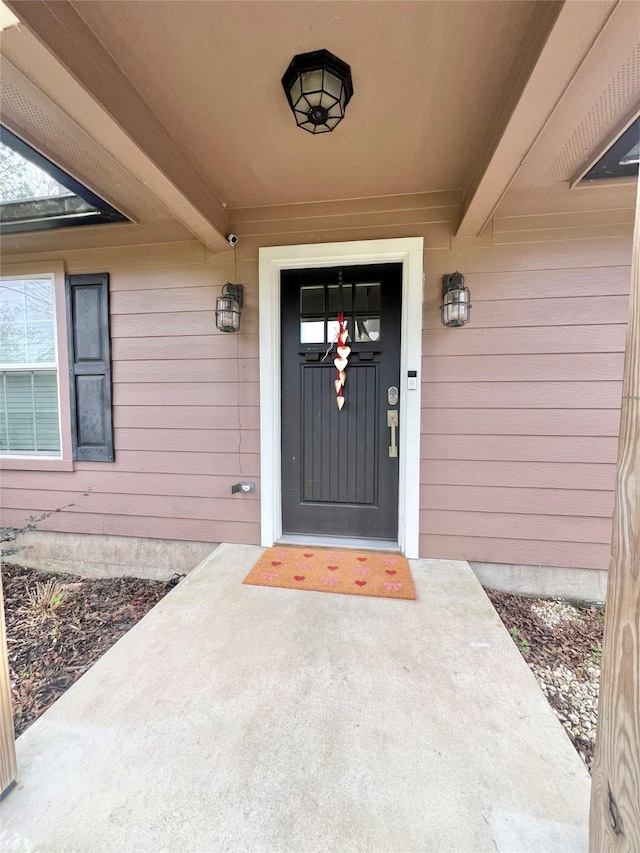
392, 423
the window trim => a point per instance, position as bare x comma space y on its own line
64, 462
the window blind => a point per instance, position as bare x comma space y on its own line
29, 421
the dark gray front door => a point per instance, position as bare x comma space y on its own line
339, 477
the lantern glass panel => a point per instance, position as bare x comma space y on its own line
314, 98
227, 314
327, 101
296, 90
312, 81
332, 84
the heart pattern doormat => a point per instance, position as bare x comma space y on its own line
324, 570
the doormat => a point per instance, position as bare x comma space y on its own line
325, 570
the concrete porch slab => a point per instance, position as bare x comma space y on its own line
241, 718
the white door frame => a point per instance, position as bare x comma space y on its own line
274, 259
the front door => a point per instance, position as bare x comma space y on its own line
340, 466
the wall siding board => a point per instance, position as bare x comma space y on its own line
521, 395
544, 475
157, 325
520, 408
174, 346
164, 506
176, 394
573, 367
518, 500
521, 448
177, 370
593, 310
538, 422
512, 525
500, 550
539, 284
121, 482
547, 339
183, 462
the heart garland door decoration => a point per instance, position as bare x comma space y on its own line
342, 360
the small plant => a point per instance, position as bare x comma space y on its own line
596, 653
43, 601
9, 535
521, 642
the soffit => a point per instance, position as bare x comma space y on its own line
35, 118
599, 102
428, 77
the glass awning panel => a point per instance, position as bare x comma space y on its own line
35, 194
621, 160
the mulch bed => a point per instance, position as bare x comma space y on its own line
562, 643
59, 625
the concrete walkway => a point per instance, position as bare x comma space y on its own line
239, 718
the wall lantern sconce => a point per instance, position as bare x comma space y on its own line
228, 306
318, 87
456, 308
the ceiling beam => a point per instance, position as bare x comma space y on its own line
559, 38
78, 74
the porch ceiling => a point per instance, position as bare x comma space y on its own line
210, 71
174, 111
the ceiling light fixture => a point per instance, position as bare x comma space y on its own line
318, 87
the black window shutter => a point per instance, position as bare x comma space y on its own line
90, 366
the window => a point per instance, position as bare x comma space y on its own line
35, 194
55, 369
29, 398
320, 304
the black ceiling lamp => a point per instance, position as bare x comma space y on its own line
318, 87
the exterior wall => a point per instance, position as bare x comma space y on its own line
185, 409
520, 409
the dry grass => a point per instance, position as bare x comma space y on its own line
44, 599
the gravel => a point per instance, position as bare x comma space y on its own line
562, 643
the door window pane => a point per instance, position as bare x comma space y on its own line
312, 331
340, 298
367, 329
368, 298
333, 328
312, 299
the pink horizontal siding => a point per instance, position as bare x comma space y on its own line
528, 552
546, 475
555, 339
521, 395
185, 412
537, 312
521, 422
214, 530
520, 448
518, 500
521, 408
